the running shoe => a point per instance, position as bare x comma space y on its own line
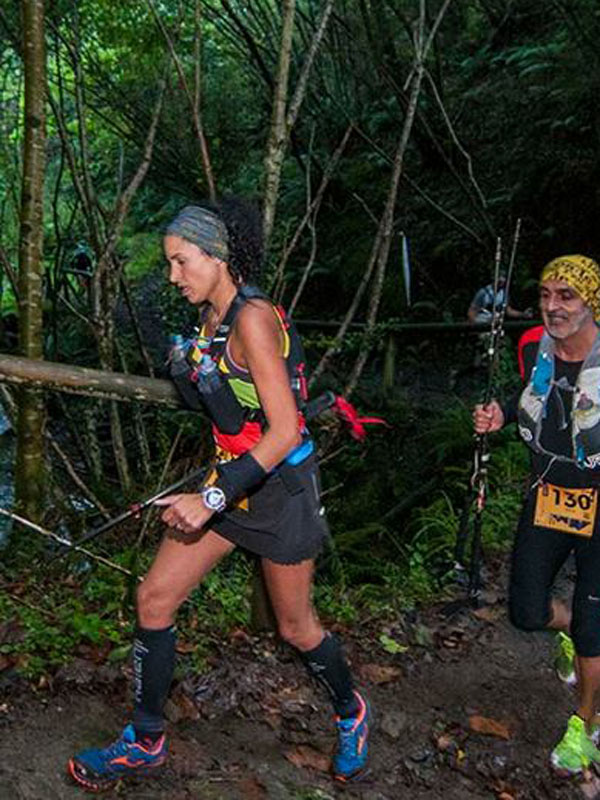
564, 660
576, 750
97, 769
352, 751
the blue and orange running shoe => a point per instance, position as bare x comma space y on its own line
352, 752
98, 769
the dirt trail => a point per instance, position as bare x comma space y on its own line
253, 729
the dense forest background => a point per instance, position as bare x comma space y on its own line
352, 124
506, 126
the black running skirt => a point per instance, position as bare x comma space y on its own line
285, 521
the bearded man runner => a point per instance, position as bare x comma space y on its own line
558, 416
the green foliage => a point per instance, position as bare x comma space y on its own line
223, 598
518, 81
390, 645
94, 611
386, 564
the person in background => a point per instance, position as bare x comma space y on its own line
263, 494
558, 417
482, 305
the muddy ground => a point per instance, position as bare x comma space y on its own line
470, 710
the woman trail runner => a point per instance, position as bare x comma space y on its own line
263, 494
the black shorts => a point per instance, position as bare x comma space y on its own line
285, 521
538, 554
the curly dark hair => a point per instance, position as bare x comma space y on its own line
245, 238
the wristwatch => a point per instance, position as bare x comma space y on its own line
214, 498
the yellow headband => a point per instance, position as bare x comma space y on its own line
582, 274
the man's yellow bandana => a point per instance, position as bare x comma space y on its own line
582, 274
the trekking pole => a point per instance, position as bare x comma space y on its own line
64, 542
478, 482
311, 410
477, 494
133, 510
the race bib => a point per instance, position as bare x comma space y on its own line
566, 510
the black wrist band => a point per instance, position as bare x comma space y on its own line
239, 475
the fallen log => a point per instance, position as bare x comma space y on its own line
29, 372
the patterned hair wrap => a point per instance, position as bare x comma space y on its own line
202, 228
582, 274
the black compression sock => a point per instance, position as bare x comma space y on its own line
153, 663
327, 664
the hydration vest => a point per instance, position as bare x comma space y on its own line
585, 414
240, 380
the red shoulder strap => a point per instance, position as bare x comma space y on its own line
531, 336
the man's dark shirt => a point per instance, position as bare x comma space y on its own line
556, 425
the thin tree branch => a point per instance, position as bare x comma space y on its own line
196, 118
8, 269
300, 91
455, 139
314, 205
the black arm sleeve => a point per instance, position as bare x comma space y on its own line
509, 408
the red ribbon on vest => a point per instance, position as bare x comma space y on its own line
350, 415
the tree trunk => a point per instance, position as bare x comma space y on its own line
193, 99
278, 134
29, 475
284, 117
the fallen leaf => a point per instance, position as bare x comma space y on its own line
391, 645
503, 790
45, 682
184, 648
239, 635
444, 742
451, 644
379, 673
4, 662
488, 613
488, 727
251, 788
303, 756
